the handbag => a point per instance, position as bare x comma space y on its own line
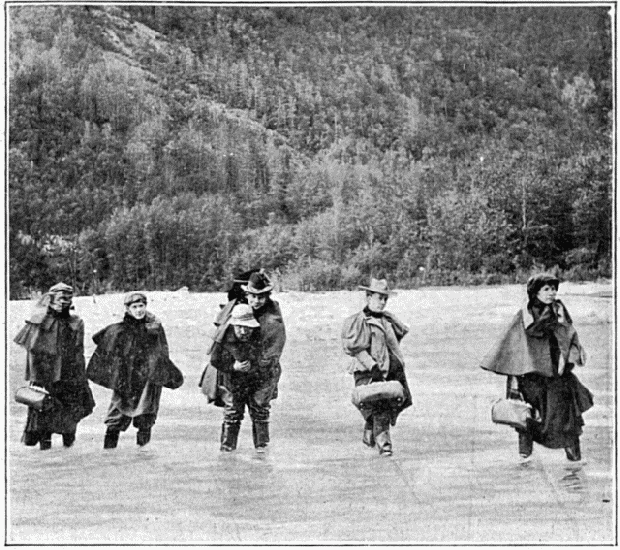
35, 397
512, 412
378, 391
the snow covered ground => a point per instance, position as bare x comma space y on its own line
454, 478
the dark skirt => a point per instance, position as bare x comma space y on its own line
72, 401
560, 402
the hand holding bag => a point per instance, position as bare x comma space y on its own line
35, 397
378, 391
512, 412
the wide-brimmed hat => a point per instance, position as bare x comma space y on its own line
380, 286
244, 277
242, 315
133, 297
258, 283
536, 282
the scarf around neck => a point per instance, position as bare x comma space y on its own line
376, 314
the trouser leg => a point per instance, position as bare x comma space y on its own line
228, 440
368, 438
35, 425
362, 378
234, 398
234, 404
144, 423
116, 422
573, 452
526, 443
259, 405
68, 439
45, 441
260, 434
110, 440
30, 439
381, 432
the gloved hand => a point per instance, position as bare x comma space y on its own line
377, 375
242, 366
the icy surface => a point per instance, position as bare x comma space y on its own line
454, 478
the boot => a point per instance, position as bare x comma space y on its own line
381, 432
143, 436
111, 439
260, 435
68, 439
45, 441
30, 439
573, 452
368, 438
526, 444
230, 433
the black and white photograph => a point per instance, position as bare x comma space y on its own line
313, 274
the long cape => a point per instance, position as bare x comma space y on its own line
517, 353
39, 337
104, 367
356, 338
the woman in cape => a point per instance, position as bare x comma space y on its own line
54, 340
132, 358
537, 354
372, 337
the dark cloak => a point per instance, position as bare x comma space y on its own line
54, 342
112, 367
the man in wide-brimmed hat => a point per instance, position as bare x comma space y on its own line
132, 359
54, 340
372, 337
272, 339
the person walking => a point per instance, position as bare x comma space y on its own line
54, 341
132, 359
372, 337
211, 379
264, 384
537, 354
272, 338
243, 383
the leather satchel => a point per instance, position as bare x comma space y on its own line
35, 397
392, 391
512, 412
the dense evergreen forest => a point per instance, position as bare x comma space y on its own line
155, 147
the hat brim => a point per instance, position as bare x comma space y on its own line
374, 290
249, 324
134, 298
249, 290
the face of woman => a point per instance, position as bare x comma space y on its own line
137, 310
547, 294
376, 302
60, 302
256, 301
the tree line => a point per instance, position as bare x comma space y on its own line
156, 147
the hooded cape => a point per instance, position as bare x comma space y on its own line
40, 337
522, 350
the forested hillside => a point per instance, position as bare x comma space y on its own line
156, 147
